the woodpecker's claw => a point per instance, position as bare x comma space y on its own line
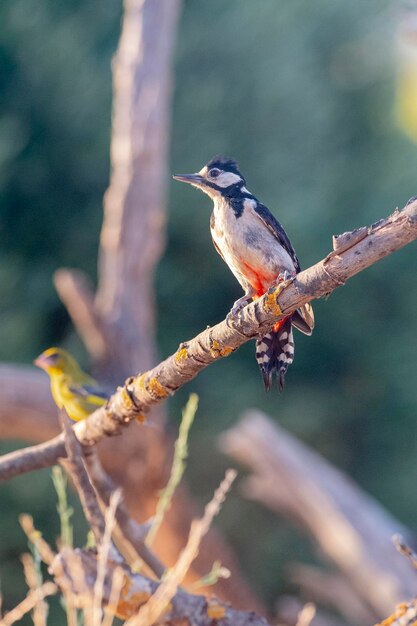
237, 307
282, 278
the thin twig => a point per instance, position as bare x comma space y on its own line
104, 551
74, 465
75, 291
118, 580
158, 602
65, 511
405, 549
31, 600
184, 607
43, 548
178, 467
128, 534
306, 615
34, 582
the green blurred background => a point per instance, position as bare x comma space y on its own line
303, 94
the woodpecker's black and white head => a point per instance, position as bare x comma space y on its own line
219, 178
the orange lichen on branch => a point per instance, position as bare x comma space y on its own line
182, 355
152, 386
125, 398
129, 602
156, 389
216, 349
271, 304
215, 610
405, 614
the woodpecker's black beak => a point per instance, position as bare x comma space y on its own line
193, 179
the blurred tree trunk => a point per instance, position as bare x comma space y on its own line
133, 233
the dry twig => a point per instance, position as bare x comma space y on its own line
105, 552
42, 547
128, 534
159, 601
29, 603
74, 465
184, 607
34, 582
404, 549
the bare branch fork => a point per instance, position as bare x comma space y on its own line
352, 253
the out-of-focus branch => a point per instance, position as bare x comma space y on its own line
155, 607
27, 410
288, 609
82, 576
351, 529
128, 534
76, 292
333, 590
137, 589
74, 465
29, 603
403, 548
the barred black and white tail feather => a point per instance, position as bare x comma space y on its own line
274, 353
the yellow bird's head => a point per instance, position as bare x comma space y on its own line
57, 361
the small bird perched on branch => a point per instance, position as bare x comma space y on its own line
72, 389
259, 253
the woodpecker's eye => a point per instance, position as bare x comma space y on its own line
214, 172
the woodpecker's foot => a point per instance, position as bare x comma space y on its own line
237, 307
281, 278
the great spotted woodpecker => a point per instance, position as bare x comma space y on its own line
257, 250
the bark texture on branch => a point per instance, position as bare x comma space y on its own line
352, 530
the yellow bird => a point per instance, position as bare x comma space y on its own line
72, 389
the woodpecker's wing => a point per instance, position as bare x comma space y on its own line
278, 232
303, 318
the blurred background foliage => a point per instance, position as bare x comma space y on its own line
304, 95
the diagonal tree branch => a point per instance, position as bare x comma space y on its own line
353, 253
351, 529
184, 608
